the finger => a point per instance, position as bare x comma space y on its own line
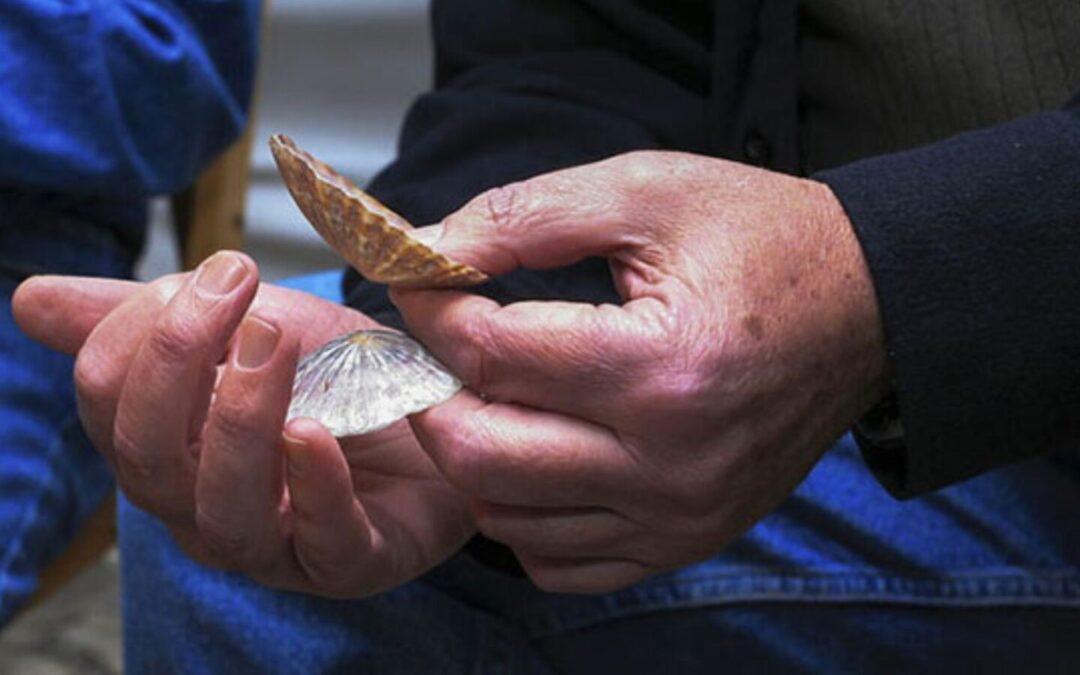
163, 390
514, 455
548, 221
60, 312
187, 537
560, 356
240, 483
583, 575
322, 320
103, 362
557, 532
332, 535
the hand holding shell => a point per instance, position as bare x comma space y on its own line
366, 380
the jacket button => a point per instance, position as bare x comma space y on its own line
756, 149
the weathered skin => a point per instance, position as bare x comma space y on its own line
360, 384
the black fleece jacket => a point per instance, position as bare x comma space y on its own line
973, 242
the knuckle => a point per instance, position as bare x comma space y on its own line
552, 583
329, 576
459, 464
231, 418
506, 207
479, 343
193, 547
679, 495
496, 530
225, 543
132, 463
691, 505
544, 576
173, 340
465, 461
137, 499
643, 182
676, 389
166, 287
676, 372
639, 168
94, 380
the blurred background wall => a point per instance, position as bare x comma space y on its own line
337, 75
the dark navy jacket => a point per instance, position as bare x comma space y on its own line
973, 243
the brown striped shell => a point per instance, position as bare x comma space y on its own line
371, 237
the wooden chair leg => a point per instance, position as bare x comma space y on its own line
209, 216
93, 540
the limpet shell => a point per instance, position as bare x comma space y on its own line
371, 237
367, 380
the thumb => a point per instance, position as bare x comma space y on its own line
552, 220
60, 312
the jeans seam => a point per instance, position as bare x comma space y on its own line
734, 589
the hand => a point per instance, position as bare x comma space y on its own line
608, 443
183, 385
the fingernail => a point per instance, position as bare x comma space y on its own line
296, 451
429, 235
258, 339
220, 274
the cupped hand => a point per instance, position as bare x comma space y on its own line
607, 443
183, 384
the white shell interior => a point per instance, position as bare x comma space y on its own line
367, 380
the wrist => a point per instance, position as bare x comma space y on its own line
863, 334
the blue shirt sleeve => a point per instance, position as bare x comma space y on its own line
121, 97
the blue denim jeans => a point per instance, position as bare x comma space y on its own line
981, 577
51, 478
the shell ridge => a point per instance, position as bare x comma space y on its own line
367, 380
371, 236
